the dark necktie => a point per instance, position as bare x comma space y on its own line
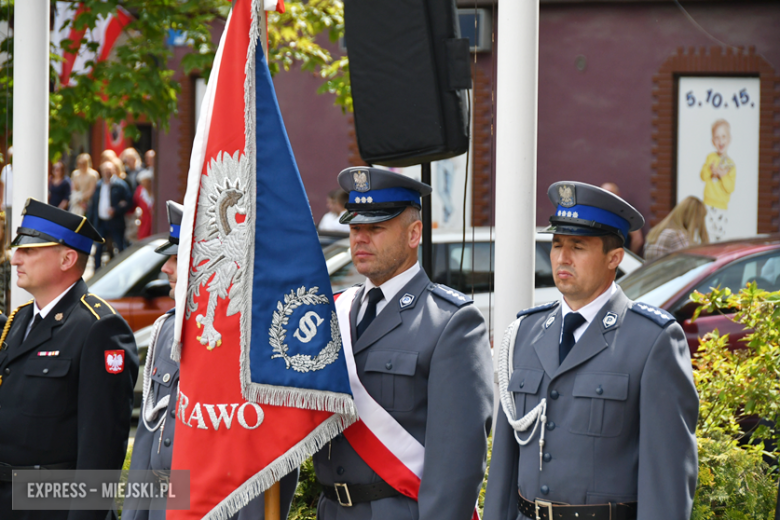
38, 318
571, 322
374, 296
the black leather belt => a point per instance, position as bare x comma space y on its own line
544, 510
348, 495
7, 471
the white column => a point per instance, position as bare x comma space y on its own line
516, 115
31, 113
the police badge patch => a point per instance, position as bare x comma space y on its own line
610, 319
567, 194
361, 181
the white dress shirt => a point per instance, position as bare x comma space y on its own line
389, 289
46, 310
588, 312
104, 204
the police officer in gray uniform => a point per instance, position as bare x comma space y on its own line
153, 447
422, 352
598, 406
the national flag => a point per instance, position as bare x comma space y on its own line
263, 378
76, 57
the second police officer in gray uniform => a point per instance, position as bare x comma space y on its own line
153, 447
598, 405
422, 353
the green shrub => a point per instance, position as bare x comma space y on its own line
735, 481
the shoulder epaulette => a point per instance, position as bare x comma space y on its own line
451, 295
659, 316
97, 305
538, 308
11, 320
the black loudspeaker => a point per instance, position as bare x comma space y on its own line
409, 71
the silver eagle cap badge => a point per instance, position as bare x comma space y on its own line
361, 181
568, 195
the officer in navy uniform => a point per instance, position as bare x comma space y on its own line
153, 446
68, 361
598, 405
422, 352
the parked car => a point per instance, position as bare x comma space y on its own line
668, 282
447, 251
134, 285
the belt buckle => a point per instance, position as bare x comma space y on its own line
348, 502
542, 503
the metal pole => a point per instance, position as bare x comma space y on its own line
427, 245
518, 59
31, 113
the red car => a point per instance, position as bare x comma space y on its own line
668, 281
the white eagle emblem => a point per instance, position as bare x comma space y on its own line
115, 362
219, 244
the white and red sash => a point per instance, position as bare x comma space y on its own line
391, 451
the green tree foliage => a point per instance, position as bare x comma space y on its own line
137, 83
737, 385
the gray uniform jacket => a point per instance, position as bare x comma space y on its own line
153, 450
621, 414
428, 364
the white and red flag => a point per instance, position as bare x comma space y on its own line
263, 376
76, 57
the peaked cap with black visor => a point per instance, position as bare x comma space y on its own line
586, 210
45, 225
378, 195
175, 214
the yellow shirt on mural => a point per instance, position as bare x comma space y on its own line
717, 192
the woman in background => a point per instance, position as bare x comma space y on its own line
83, 181
683, 226
59, 186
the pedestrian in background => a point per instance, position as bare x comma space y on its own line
83, 182
7, 187
133, 166
5, 268
685, 225
144, 204
337, 199
111, 201
59, 186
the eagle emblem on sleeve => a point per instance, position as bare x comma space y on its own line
115, 361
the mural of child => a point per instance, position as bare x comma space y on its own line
719, 174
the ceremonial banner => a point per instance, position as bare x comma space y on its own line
263, 379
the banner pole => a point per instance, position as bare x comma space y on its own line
272, 507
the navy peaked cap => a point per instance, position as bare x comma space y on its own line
46, 225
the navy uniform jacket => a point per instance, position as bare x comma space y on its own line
429, 365
153, 449
65, 407
621, 414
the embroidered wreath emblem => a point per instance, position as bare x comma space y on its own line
277, 332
